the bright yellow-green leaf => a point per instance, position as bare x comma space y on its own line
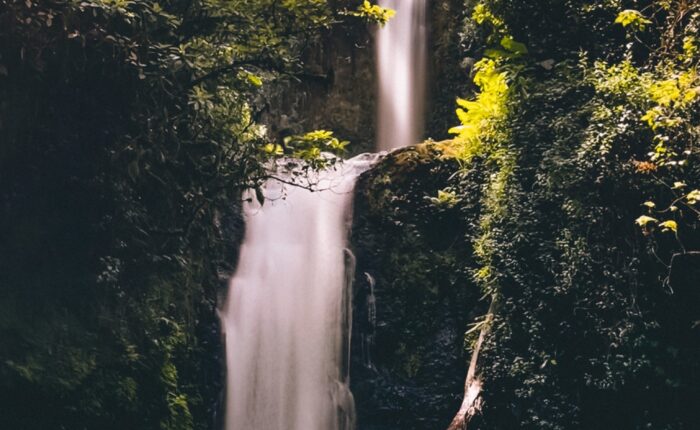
665, 92
669, 225
690, 47
689, 95
651, 115
644, 220
255, 80
479, 117
693, 196
272, 148
482, 14
373, 13
678, 185
631, 17
483, 273
318, 135
650, 205
445, 198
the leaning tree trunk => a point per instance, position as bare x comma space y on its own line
471, 404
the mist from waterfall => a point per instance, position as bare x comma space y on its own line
401, 47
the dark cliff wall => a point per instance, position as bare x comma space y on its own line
336, 91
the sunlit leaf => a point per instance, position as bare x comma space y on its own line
631, 17
693, 197
255, 80
272, 148
678, 185
669, 225
644, 220
511, 45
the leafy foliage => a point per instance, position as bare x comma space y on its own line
373, 12
588, 311
311, 146
633, 18
129, 130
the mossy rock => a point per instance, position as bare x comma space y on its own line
408, 365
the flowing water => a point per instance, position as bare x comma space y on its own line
286, 319
287, 316
401, 67
367, 339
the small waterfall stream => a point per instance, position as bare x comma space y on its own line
401, 48
286, 320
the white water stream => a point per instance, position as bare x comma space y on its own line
287, 316
401, 48
286, 319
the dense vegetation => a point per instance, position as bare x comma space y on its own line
570, 194
127, 131
585, 120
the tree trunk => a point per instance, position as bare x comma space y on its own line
471, 404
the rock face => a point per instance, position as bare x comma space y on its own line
413, 297
335, 92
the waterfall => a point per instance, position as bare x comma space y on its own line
286, 319
401, 68
287, 316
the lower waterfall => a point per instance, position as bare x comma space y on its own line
287, 315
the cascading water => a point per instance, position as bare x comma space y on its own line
401, 66
287, 315
286, 320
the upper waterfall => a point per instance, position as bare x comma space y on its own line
401, 67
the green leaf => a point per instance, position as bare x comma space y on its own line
509, 44
445, 198
631, 17
273, 148
373, 13
482, 14
255, 80
498, 54
665, 92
